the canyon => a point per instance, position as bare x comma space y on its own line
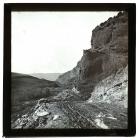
93, 95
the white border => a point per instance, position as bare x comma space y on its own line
70, 1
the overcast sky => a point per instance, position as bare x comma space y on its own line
51, 42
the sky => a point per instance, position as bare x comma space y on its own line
51, 42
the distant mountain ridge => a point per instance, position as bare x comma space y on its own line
47, 76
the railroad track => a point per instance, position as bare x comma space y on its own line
78, 119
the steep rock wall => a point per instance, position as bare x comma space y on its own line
108, 52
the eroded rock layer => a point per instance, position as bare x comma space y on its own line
108, 52
107, 55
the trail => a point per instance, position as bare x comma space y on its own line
78, 117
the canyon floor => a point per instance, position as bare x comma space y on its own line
67, 110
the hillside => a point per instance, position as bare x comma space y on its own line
25, 88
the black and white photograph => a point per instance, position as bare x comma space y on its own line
69, 70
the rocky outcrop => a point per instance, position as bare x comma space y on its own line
108, 52
112, 90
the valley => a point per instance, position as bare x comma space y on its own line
93, 95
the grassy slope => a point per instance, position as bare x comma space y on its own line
25, 87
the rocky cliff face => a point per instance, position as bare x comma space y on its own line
108, 52
107, 55
112, 90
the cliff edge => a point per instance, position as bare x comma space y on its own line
107, 55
